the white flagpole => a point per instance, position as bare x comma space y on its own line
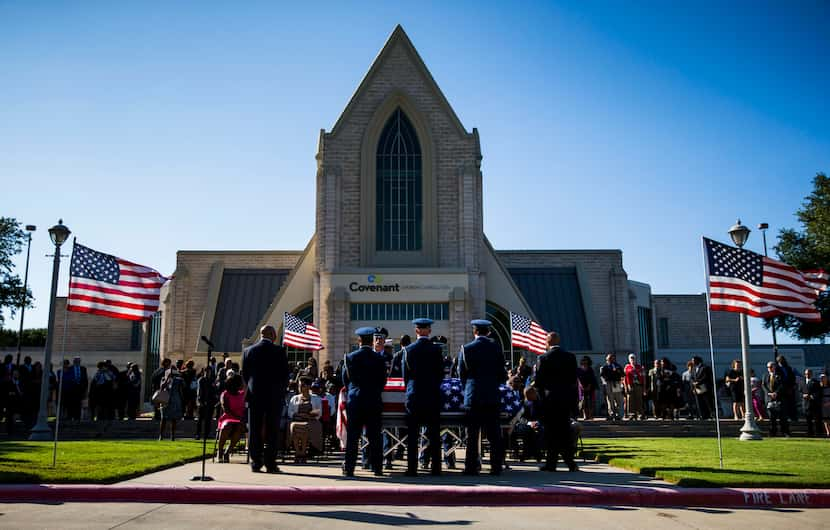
60, 389
712, 352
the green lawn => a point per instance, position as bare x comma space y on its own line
694, 461
91, 461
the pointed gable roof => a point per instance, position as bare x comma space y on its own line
399, 37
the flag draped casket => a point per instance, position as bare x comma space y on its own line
394, 397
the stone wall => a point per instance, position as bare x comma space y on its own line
604, 286
184, 300
687, 323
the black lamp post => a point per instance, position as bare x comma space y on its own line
739, 234
29, 229
41, 432
763, 228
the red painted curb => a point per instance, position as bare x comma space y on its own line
421, 495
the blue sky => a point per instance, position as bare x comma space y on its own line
161, 126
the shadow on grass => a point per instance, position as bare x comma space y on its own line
649, 470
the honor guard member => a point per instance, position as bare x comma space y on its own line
481, 369
423, 372
364, 375
556, 385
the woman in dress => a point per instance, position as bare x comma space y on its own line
305, 428
173, 410
735, 383
232, 421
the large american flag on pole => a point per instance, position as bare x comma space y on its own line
526, 333
745, 282
300, 334
105, 285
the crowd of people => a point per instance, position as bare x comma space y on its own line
286, 406
663, 392
108, 395
282, 405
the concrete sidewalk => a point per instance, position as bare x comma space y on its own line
327, 472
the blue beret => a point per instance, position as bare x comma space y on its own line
365, 331
422, 322
481, 323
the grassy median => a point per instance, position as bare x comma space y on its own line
793, 462
92, 461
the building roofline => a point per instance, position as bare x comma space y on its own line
399, 35
251, 252
579, 251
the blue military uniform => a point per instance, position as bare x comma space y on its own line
423, 372
481, 369
364, 375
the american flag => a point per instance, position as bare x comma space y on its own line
300, 334
394, 395
102, 284
745, 282
526, 333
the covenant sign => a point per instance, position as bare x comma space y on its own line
400, 287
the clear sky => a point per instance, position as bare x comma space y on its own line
154, 127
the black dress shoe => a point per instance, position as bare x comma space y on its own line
547, 468
573, 467
348, 474
378, 473
274, 469
256, 469
410, 473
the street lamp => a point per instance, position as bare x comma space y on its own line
30, 229
750, 431
41, 432
763, 228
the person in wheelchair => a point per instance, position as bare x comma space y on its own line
232, 421
304, 409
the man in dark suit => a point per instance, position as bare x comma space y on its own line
364, 374
703, 387
423, 372
481, 369
775, 385
77, 385
811, 394
265, 372
556, 385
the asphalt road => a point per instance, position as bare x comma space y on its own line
158, 516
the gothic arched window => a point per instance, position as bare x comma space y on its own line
399, 201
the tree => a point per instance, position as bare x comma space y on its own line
32, 338
809, 249
11, 286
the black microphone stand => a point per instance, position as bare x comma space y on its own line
206, 428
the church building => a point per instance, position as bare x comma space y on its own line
399, 235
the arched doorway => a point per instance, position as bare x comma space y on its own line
500, 331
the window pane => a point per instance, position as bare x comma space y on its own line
398, 182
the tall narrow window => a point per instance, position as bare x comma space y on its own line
399, 202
